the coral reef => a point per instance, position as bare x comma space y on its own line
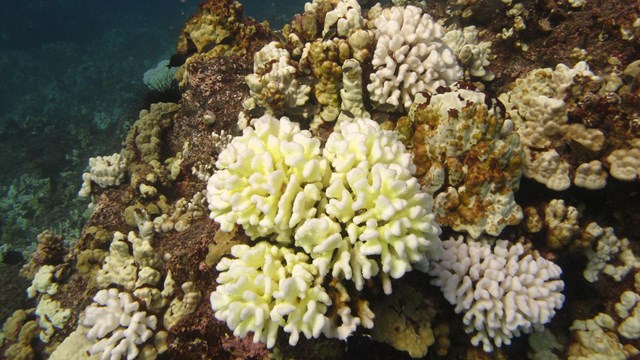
332, 157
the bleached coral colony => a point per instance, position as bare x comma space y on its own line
356, 211
369, 146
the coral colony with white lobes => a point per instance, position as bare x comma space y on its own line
335, 179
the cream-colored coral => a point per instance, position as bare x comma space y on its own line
182, 214
273, 83
129, 269
562, 223
373, 195
410, 57
537, 106
629, 312
592, 139
596, 339
351, 92
266, 287
472, 54
345, 17
270, 179
590, 175
51, 316
625, 164
471, 159
606, 249
547, 168
104, 171
44, 282
181, 308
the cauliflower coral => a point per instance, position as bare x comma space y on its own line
410, 57
502, 291
355, 211
266, 287
269, 180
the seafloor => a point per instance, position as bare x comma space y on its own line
170, 152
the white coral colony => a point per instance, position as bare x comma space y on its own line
410, 57
269, 180
502, 291
356, 211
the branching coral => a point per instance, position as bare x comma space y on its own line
117, 326
360, 215
269, 179
502, 291
266, 287
373, 194
410, 57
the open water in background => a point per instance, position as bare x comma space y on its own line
70, 75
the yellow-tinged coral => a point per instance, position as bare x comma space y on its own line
596, 339
129, 268
373, 194
369, 218
625, 164
273, 83
562, 223
324, 59
22, 349
51, 316
537, 105
590, 175
147, 131
266, 287
269, 180
44, 282
104, 171
217, 29
181, 308
470, 158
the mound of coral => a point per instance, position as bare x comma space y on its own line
406, 180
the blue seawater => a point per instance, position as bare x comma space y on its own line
70, 82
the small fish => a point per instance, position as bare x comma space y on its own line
348, 114
225, 41
256, 112
308, 80
280, 36
178, 59
455, 19
583, 153
13, 257
380, 117
296, 111
348, 68
330, 34
385, 107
